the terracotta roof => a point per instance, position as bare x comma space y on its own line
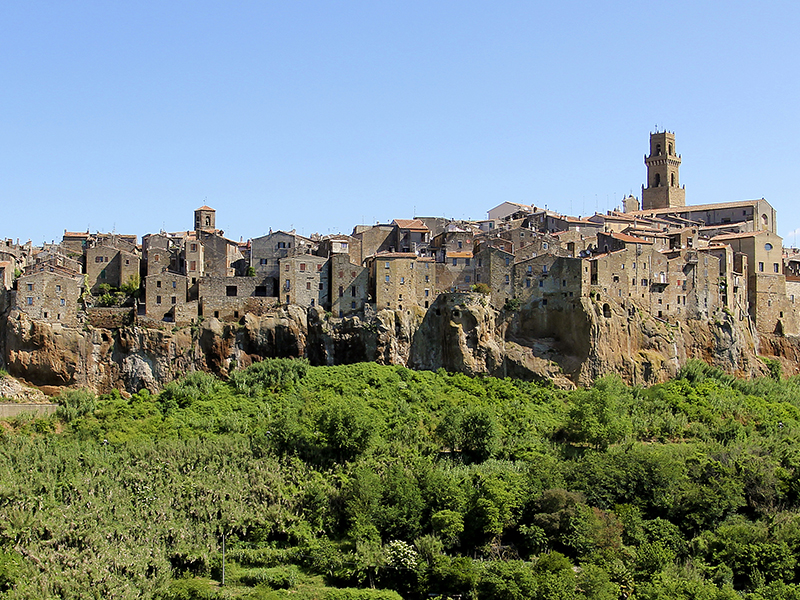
82, 234
628, 239
414, 224
697, 208
459, 255
394, 255
733, 236
204, 207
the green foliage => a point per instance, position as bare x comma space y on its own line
251, 271
512, 304
482, 288
132, 287
74, 404
367, 475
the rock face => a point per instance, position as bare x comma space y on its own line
460, 332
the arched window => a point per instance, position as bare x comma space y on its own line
657, 182
658, 149
764, 220
671, 150
208, 221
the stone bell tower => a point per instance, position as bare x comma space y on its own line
663, 185
205, 219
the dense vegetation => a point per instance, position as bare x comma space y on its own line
376, 482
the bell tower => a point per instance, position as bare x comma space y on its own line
205, 219
663, 188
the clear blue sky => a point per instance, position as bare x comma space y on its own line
323, 115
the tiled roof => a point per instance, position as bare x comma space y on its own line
459, 255
628, 239
734, 236
697, 208
414, 224
205, 208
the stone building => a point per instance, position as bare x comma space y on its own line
230, 298
304, 280
267, 251
394, 277
349, 285
50, 294
166, 298
494, 267
110, 265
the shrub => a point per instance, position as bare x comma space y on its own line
75, 403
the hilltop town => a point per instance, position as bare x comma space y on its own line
657, 257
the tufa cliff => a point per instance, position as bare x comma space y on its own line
460, 332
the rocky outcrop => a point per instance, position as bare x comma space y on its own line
460, 332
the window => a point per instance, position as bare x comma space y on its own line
775, 267
508, 261
387, 279
344, 247
507, 278
544, 246
261, 290
193, 265
158, 284
230, 290
386, 265
158, 299
761, 267
341, 291
544, 268
527, 283
174, 284
530, 270
287, 268
30, 287
467, 279
354, 291
541, 283
466, 261
308, 285
319, 267
281, 245
455, 262
320, 286
427, 278
480, 262
427, 293
353, 305
174, 299
29, 300
63, 302
263, 261
302, 266
402, 280
767, 246
194, 247
99, 259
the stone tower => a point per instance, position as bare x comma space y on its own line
205, 219
663, 185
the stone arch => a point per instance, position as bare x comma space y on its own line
657, 182
606, 311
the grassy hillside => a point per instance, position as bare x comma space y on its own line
327, 482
